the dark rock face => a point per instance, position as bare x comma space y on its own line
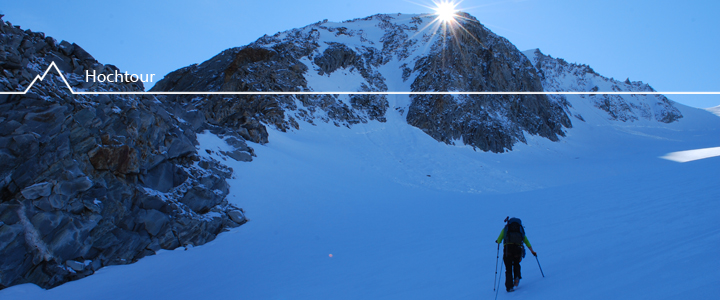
475, 59
250, 68
273, 64
89, 181
334, 57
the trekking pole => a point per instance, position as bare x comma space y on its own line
497, 257
498, 285
538, 261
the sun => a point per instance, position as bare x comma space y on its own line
445, 10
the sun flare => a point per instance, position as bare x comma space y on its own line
445, 10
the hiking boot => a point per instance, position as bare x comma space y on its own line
510, 290
517, 281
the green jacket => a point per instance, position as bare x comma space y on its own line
502, 236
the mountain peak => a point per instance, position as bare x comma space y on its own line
398, 53
402, 53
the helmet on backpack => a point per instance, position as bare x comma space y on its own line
513, 220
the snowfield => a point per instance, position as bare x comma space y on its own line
715, 110
383, 211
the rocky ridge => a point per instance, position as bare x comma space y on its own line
369, 54
88, 181
559, 75
403, 53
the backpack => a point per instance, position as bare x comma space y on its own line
514, 233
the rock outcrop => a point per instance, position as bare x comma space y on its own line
88, 181
475, 59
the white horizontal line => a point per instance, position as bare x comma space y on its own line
52, 65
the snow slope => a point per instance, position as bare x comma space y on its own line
407, 217
715, 110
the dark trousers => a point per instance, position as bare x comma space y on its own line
512, 255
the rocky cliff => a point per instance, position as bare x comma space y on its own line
88, 181
377, 53
400, 52
472, 58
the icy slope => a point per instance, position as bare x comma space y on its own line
608, 218
715, 110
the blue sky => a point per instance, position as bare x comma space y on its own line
672, 45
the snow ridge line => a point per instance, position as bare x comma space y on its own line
52, 65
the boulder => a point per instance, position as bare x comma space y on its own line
200, 199
153, 221
37, 190
58, 201
160, 178
77, 266
238, 155
122, 159
72, 187
180, 145
237, 216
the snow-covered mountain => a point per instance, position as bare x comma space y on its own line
387, 197
403, 53
559, 76
378, 53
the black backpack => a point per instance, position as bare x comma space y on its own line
515, 233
